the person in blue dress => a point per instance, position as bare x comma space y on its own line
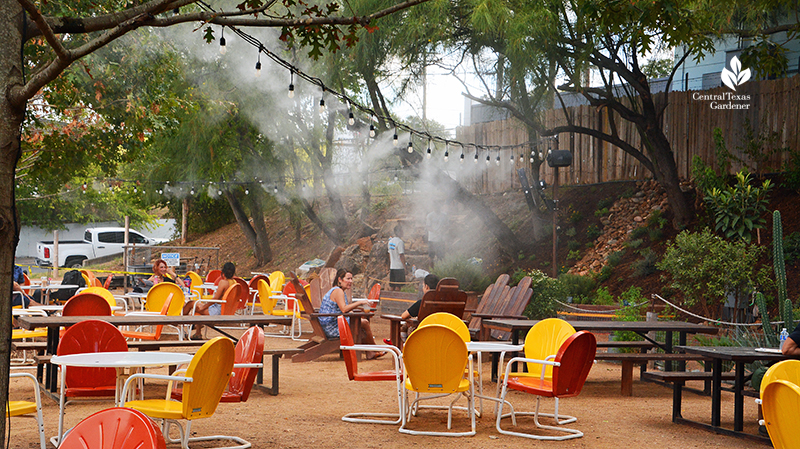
336, 300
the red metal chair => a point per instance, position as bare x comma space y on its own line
115, 428
349, 349
86, 304
253, 285
375, 292
249, 353
570, 368
213, 275
91, 336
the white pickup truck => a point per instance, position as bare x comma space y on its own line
97, 242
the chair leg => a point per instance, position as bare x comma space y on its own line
571, 433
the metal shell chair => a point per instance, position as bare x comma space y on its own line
197, 281
435, 357
86, 304
213, 275
249, 353
269, 302
252, 287
156, 334
542, 342
115, 428
780, 403
349, 349
112, 301
203, 385
22, 408
570, 368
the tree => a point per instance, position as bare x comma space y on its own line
38, 42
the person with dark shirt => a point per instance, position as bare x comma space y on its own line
429, 283
791, 345
19, 297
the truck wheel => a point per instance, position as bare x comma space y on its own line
74, 262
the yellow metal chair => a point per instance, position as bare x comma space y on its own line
780, 403
22, 408
157, 296
112, 301
197, 281
203, 384
435, 357
269, 302
448, 320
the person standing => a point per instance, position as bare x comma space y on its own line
397, 260
436, 223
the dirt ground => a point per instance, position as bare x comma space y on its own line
314, 396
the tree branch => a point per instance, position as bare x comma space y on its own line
45, 29
614, 140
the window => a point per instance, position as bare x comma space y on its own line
87, 235
135, 237
110, 237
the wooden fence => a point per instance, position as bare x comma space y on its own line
772, 109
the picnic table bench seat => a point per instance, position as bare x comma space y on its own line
679, 379
630, 359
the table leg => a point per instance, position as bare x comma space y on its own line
738, 398
394, 333
355, 328
61, 406
682, 342
51, 371
716, 392
668, 349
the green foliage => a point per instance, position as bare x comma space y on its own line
615, 258
739, 210
630, 312
658, 68
646, 265
571, 232
603, 297
637, 233
592, 232
656, 220
791, 169
574, 255
206, 214
575, 217
578, 287
655, 234
601, 212
791, 247
634, 243
470, 275
605, 203
766, 58
706, 267
546, 291
573, 245
604, 274
633, 295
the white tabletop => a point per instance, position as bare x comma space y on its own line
492, 346
48, 287
122, 359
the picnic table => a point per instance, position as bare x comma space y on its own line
54, 324
718, 354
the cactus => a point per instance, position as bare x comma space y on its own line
777, 256
769, 332
788, 315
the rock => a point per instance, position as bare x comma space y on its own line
365, 243
352, 259
638, 219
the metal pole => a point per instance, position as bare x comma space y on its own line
125, 255
55, 254
555, 223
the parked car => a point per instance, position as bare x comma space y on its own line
97, 242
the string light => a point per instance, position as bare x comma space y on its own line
275, 190
372, 127
428, 151
488, 158
446, 151
461, 159
410, 147
322, 102
191, 192
258, 63
247, 191
291, 84
222, 47
351, 119
497, 161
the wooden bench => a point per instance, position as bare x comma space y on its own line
276, 354
678, 380
629, 359
625, 344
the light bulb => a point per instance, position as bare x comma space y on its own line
461, 158
395, 136
275, 190
511, 158
476, 157
321, 105
247, 191
372, 131
191, 192
428, 153
258, 68
497, 161
531, 160
446, 155
488, 159
351, 120
291, 91
521, 158
222, 47
219, 192
410, 147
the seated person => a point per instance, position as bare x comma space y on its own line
163, 273
791, 346
428, 284
21, 299
212, 308
337, 301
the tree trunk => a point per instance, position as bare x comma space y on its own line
330, 233
339, 216
11, 116
666, 173
262, 255
257, 212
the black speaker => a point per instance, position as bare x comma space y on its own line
559, 158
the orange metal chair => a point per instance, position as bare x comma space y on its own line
213, 275
112, 301
23, 408
115, 428
156, 333
249, 353
203, 383
435, 358
375, 292
571, 366
349, 349
91, 336
253, 285
86, 304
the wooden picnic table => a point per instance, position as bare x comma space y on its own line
740, 356
54, 324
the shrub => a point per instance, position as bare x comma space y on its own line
655, 234
646, 265
546, 291
470, 275
574, 255
571, 232
706, 267
575, 217
791, 168
573, 245
629, 313
791, 247
634, 243
592, 232
601, 212
605, 203
615, 258
637, 233
656, 219
604, 274
739, 210
576, 286
603, 297
633, 295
